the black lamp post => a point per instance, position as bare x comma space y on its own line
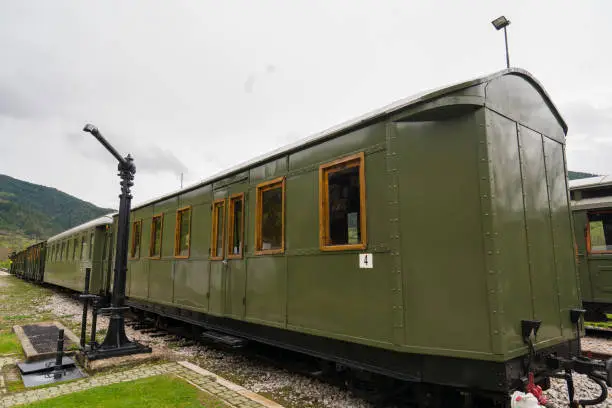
116, 342
499, 23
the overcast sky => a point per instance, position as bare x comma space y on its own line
198, 86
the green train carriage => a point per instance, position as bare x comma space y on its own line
423, 241
592, 214
71, 252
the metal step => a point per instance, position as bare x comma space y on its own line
226, 339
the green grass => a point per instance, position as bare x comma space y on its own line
19, 301
154, 392
9, 344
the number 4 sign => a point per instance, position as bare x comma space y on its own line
366, 261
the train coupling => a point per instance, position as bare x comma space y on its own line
598, 371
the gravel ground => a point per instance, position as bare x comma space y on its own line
598, 344
292, 389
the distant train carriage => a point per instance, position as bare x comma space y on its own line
592, 214
84, 246
423, 241
29, 264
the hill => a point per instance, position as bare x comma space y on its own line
34, 212
575, 175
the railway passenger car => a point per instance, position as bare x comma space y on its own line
592, 214
87, 245
29, 264
424, 241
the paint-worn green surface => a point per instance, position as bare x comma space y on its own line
467, 216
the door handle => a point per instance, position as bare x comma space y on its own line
224, 262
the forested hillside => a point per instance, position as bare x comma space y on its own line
38, 212
575, 175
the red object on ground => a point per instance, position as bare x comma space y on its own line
535, 390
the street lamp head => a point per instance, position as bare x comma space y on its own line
500, 22
90, 128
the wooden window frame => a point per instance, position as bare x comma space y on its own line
588, 233
133, 243
230, 226
152, 237
355, 160
177, 233
215, 229
259, 190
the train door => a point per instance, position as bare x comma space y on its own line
235, 274
218, 262
228, 269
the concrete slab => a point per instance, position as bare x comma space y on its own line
96, 366
32, 353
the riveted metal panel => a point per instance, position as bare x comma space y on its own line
444, 270
508, 216
544, 280
518, 98
565, 266
490, 237
396, 278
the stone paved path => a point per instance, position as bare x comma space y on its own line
230, 393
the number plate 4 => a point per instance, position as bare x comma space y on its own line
366, 261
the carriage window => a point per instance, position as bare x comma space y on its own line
61, 254
182, 233
75, 243
235, 226
270, 228
91, 245
156, 237
342, 221
600, 232
82, 247
136, 237
218, 214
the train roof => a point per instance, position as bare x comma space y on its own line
104, 220
359, 122
591, 203
590, 182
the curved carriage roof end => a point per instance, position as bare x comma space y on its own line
104, 220
360, 121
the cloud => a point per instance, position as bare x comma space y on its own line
586, 119
252, 78
150, 159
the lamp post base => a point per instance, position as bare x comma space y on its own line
116, 342
126, 349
